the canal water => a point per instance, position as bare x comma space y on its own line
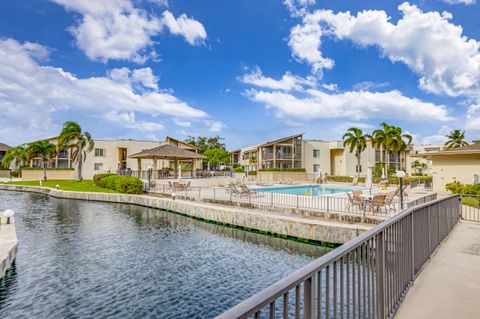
80, 259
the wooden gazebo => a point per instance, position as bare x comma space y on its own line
169, 152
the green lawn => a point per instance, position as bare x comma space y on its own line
68, 185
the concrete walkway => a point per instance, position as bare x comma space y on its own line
449, 286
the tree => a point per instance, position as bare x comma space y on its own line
419, 167
400, 144
17, 155
383, 139
357, 141
456, 138
43, 149
205, 143
216, 156
72, 137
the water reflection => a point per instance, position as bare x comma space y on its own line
91, 260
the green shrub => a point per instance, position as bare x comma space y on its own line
344, 179
282, 170
238, 169
121, 184
48, 169
471, 201
252, 172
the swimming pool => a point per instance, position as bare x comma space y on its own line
313, 190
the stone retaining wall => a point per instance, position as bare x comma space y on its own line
328, 232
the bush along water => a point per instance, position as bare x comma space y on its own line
121, 184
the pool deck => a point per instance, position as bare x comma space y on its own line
449, 285
8, 244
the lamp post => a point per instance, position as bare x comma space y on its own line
400, 175
8, 213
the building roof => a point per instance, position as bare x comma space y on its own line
167, 151
280, 140
169, 138
4, 147
473, 148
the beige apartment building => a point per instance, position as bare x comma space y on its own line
321, 157
454, 165
109, 156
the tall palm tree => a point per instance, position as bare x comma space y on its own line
43, 149
456, 138
72, 137
400, 144
357, 142
17, 155
383, 139
419, 167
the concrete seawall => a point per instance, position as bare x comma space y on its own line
328, 232
8, 244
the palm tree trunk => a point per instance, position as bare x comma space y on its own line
44, 162
358, 164
386, 161
80, 160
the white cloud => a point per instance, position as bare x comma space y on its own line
439, 138
473, 117
113, 29
216, 126
298, 7
117, 30
369, 85
467, 2
288, 82
127, 120
355, 105
192, 30
445, 59
30, 94
182, 123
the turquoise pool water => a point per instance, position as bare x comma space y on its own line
313, 190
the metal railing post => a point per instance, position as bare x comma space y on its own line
298, 196
214, 191
308, 293
380, 274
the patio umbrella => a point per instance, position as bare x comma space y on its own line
179, 172
369, 179
383, 173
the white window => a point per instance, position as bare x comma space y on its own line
99, 152
316, 168
316, 153
98, 166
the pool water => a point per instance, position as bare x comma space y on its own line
312, 190
79, 259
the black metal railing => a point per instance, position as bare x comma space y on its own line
367, 277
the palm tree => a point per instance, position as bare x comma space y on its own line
456, 138
382, 138
17, 155
357, 141
419, 167
72, 137
400, 144
43, 149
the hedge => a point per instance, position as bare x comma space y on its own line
238, 169
252, 172
282, 170
458, 188
48, 169
121, 184
391, 180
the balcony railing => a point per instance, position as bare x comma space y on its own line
367, 277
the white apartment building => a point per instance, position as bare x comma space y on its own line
318, 156
112, 156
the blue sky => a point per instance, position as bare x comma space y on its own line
246, 70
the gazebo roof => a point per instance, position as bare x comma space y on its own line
167, 151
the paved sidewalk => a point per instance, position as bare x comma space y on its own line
449, 286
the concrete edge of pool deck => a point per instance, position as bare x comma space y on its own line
320, 231
8, 245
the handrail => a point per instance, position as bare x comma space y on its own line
265, 297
